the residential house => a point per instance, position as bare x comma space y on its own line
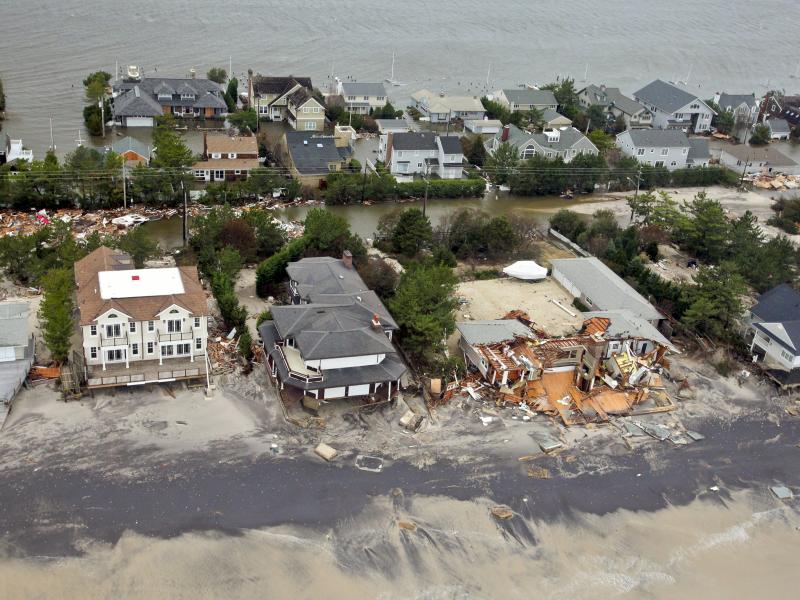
524, 100
772, 331
757, 159
674, 108
140, 325
392, 126
699, 153
656, 147
17, 346
13, 150
132, 151
565, 142
600, 289
424, 153
137, 102
335, 339
440, 108
616, 326
361, 98
311, 157
552, 119
743, 107
779, 129
790, 110
616, 104
227, 157
475, 334
287, 99
483, 126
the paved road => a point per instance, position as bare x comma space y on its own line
46, 511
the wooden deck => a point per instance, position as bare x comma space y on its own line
146, 371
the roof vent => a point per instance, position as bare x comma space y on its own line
305, 142
319, 145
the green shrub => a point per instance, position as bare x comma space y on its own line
264, 315
442, 188
245, 345
480, 274
272, 271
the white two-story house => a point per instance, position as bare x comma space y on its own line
674, 108
140, 325
424, 153
361, 98
656, 147
334, 340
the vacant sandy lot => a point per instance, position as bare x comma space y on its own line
493, 298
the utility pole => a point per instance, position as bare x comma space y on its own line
124, 186
185, 222
427, 183
364, 183
747, 163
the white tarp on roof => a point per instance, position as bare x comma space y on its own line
527, 270
140, 283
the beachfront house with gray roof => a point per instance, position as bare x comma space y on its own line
360, 98
269, 95
779, 129
311, 157
524, 99
441, 108
136, 103
674, 108
656, 147
699, 153
772, 332
616, 104
744, 107
564, 142
335, 341
424, 153
757, 159
600, 289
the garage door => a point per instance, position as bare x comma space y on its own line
358, 390
337, 392
139, 121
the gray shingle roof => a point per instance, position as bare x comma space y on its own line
665, 96
476, 333
390, 368
352, 88
778, 126
535, 97
781, 303
612, 96
451, 144
658, 138
698, 149
278, 85
765, 154
313, 156
606, 289
136, 103
733, 101
209, 100
548, 114
128, 144
324, 275
414, 140
625, 324
567, 138
14, 329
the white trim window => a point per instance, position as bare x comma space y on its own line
135, 349
92, 330
93, 352
640, 152
198, 343
197, 322
231, 154
132, 326
150, 347
216, 155
664, 151
311, 125
173, 326
151, 326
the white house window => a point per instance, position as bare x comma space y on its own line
351, 98
93, 352
198, 343
216, 155
182, 349
199, 174
174, 325
114, 355
640, 152
237, 172
197, 322
786, 355
167, 350
113, 331
219, 175
664, 151
673, 164
132, 326
151, 326
231, 154
92, 329
135, 349
150, 347
659, 163
311, 125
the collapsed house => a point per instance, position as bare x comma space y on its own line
612, 366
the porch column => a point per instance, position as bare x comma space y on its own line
160, 354
126, 358
389, 396
103, 357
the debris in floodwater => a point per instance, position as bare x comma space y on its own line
324, 451
538, 472
369, 463
502, 511
697, 437
782, 492
407, 525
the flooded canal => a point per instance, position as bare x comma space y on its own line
364, 219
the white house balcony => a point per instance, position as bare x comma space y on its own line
120, 340
174, 336
295, 364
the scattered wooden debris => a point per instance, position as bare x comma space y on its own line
502, 512
538, 472
325, 452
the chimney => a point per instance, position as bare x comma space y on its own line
602, 87
504, 135
347, 259
376, 322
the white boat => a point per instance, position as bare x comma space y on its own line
391, 79
130, 220
527, 270
504, 188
